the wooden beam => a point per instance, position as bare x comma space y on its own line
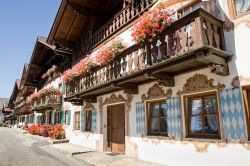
164, 78
64, 43
92, 99
36, 67
63, 53
88, 12
217, 64
28, 83
130, 88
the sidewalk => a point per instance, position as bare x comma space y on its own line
95, 158
90, 156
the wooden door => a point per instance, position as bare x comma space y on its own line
116, 128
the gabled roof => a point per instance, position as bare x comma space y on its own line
73, 17
14, 93
40, 60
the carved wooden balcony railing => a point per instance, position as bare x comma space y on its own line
126, 15
49, 102
192, 42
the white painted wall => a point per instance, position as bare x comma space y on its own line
171, 152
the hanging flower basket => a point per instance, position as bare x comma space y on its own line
44, 92
152, 23
103, 56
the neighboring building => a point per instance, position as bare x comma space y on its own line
5, 112
40, 75
181, 98
3, 102
47, 64
14, 103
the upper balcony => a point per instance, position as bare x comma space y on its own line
193, 42
83, 25
48, 102
22, 107
129, 13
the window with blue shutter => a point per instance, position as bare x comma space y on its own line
140, 118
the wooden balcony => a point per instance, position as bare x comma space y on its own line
193, 42
124, 17
50, 102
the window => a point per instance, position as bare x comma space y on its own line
43, 118
88, 120
188, 8
57, 117
157, 118
202, 118
31, 118
77, 120
50, 117
246, 97
239, 7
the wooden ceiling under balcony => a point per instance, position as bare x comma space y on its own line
74, 16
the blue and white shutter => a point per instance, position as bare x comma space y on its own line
173, 117
140, 118
233, 114
94, 121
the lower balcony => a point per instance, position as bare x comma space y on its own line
49, 102
193, 42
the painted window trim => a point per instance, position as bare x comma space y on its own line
147, 114
79, 121
185, 104
247, 108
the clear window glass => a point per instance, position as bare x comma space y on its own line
203, 118
157, 120
241, 6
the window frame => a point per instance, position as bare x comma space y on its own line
86, 121
232, 10
189, 6
187, 117
246, 100
57, 118
77, 121
149, 105
43, 118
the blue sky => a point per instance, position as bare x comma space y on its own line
21, 21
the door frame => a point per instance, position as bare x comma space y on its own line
109, 149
